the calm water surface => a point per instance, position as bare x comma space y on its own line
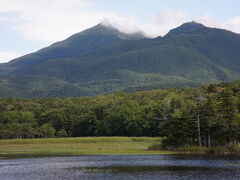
166, 167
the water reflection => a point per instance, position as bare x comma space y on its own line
142, 169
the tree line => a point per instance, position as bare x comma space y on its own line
207, 116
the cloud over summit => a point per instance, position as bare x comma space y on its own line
49, 21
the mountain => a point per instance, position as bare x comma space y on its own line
76, 45
102, 60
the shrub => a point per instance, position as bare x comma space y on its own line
46, 130
61, 133
192, 150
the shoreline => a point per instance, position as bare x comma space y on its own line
10, 156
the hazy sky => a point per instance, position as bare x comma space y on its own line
28, 25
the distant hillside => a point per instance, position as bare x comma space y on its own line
102, 60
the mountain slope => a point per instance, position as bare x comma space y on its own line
102, 60
76, 45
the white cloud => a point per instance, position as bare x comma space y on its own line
167, 20
158, 25
6, 56
128, 25
54, 20
6, 19
232, 24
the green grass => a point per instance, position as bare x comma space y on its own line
78, 146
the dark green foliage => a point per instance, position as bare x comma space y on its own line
170, 113
102, 60
46, 131
61, 133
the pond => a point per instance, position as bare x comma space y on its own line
167, 167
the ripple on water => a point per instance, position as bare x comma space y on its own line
121, 167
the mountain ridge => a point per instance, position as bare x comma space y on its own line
102, 60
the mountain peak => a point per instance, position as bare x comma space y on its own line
122, 34
187, 28
99, 29
103, 26
192, 26
193, 23
110, 30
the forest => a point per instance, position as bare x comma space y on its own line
207, 116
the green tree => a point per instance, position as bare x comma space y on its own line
61, 133
46, 131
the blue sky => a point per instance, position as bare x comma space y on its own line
221, 9
28, 25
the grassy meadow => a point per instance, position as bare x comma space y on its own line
78, 146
